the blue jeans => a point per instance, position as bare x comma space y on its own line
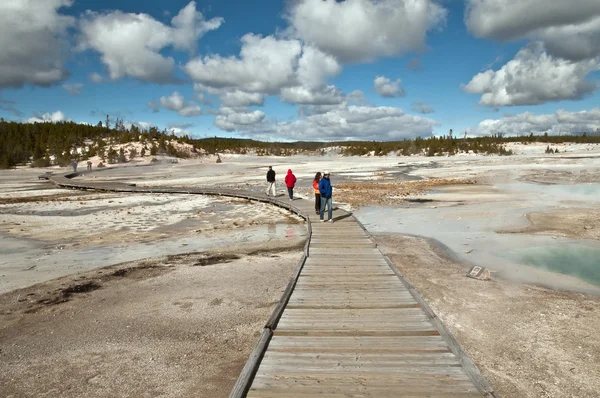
326, 202
291, 192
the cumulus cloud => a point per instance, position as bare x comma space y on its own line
231, 119
33, 42
131, 44
268, 66
265, 65
534, 77
314, 67
364, 30
560, 122
575, 41
304, 95
176, 102
387, 88
238, 98
53, 117
73, 88
343, 122
356, 97
179, 129
421, 107
569, 30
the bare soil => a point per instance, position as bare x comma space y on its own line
176, 326
528, 341
387, 193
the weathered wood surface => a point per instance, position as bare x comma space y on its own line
348, 324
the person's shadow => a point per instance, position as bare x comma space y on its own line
343, 216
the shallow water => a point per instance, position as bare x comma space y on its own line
576, 259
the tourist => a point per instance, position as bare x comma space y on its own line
89, 165
317, 193
74, 165
271, 181
326, 191
290, 182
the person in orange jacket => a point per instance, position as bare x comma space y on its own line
317, 192
290, 183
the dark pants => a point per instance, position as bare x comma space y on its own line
291, 192
317, 202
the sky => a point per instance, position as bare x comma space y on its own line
305, 69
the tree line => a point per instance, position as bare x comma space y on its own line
45, 144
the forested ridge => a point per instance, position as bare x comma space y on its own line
45, 144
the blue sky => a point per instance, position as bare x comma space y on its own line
305, 69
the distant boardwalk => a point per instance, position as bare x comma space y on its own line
348, 325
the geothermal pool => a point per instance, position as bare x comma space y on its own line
469, 231
576, 259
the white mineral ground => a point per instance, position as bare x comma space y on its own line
177, 287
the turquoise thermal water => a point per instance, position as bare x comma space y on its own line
573, 259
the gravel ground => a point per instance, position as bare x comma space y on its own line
177, 326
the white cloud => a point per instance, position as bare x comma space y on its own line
53, 117
421, 107
131, 44
306, 96
268, 66
141, 125
343, 122
237, 98
265, 65
96, 77
176, 102
179, 129
560, 122
569, 29
33, 42
574, 42
357, 97
232, 119
534, 77
387, 88
364, 30
314, 67
73, 88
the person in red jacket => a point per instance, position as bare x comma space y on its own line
290, 182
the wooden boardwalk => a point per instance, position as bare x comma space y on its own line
352, 328
348, 325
